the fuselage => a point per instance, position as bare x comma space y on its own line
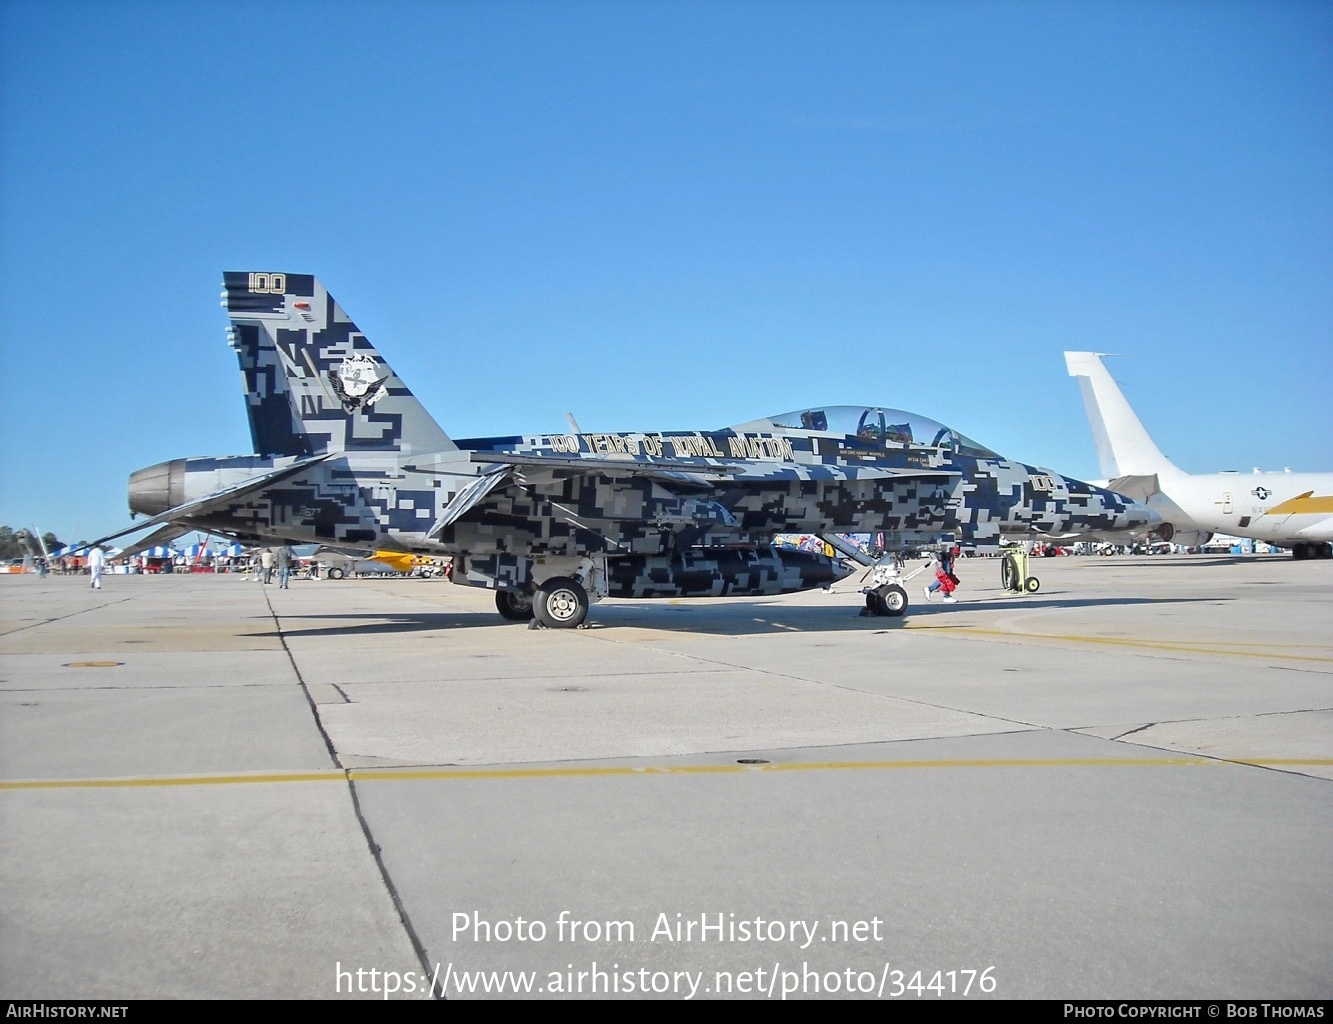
347, 456
1281, 508
603, 495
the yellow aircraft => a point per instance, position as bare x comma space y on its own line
401, 561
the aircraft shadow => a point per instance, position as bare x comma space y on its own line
733, 620
1175, 561
397, 622
775, 619
1019, 602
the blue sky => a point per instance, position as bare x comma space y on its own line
669, 215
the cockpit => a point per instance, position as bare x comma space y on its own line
876, 425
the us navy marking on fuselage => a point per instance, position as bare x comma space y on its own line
756, 446
740, 446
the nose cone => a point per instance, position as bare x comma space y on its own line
1097, 511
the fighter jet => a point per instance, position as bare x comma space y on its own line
1290, 510
345, 455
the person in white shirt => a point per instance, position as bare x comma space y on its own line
96, 562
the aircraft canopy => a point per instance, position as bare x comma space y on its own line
876, 424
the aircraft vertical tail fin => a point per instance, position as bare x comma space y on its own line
1123, 446
313, 383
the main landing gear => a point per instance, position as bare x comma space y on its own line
1313, 549
560, 603
514, 605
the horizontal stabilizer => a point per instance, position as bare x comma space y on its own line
1140, 488
218, 499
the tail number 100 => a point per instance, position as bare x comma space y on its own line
268, 284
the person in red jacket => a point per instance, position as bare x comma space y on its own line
945, 580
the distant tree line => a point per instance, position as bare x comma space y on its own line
17, 543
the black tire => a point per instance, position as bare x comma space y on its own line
560, 603
1299, 551
1032, 585
893, 599
513, 605
1009, 573
873, 603
335, 573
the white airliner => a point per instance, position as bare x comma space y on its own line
1290, 510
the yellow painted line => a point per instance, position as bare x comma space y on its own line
1227, 649
417, 775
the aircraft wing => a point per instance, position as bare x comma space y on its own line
700, 472
527, 470
217, 499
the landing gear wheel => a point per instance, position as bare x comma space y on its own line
335, 573
1299, 551
513, 605
1032, 585
560, 603
873, 604
892, 599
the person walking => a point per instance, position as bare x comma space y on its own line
945, 579
96, 563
